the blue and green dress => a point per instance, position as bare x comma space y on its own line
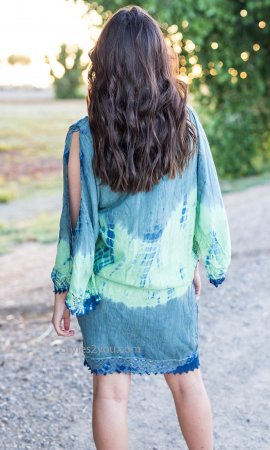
128, 264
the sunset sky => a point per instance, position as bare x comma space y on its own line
35, 28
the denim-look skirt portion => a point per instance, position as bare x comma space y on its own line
142, 340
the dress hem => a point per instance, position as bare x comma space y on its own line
143, 366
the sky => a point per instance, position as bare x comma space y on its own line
37, 27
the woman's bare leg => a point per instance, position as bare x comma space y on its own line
110, 411
193, 409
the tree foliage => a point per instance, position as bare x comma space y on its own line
69, 84
23, 60
224, 48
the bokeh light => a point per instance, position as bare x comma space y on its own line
262, 24
243, 75
245, 56
256, 47
243, 12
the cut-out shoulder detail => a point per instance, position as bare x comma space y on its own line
82, 125
79, 225
74, 178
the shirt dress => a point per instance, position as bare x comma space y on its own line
128, 264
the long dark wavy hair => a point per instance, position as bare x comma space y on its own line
136, 105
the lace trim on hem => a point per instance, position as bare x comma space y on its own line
142, 366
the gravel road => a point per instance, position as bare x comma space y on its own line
46, 392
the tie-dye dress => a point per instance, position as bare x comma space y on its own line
128, 264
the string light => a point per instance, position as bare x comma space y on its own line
190, 46
204, 89
243, 75
256, 47
193, 60
213, 72
243, 12
185, 78
262, 24
182, 60
232, 71
177, 48
172, 29
197, 70
234, 80
214, 45
244, 56
184, 23
176, 37
220, 63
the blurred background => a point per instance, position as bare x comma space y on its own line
223, 49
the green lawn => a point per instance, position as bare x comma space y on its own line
31, 144
32, 136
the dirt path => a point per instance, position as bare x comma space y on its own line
46, 393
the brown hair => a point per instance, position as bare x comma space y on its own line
136, 105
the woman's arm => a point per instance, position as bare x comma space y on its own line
197, 281
73, 180
73, 270
212, 240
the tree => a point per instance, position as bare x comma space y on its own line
68, 85
223, 48
23, 60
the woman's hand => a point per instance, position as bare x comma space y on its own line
61, 314
197, 282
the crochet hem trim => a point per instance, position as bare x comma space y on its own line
142, 366
218, 281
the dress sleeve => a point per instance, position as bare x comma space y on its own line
78, 230
212, 240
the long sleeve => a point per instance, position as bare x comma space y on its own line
62, 269
212, 240
74, 262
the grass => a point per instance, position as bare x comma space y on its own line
7, 194
36, 130
32, 136
244, 182
43, 228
